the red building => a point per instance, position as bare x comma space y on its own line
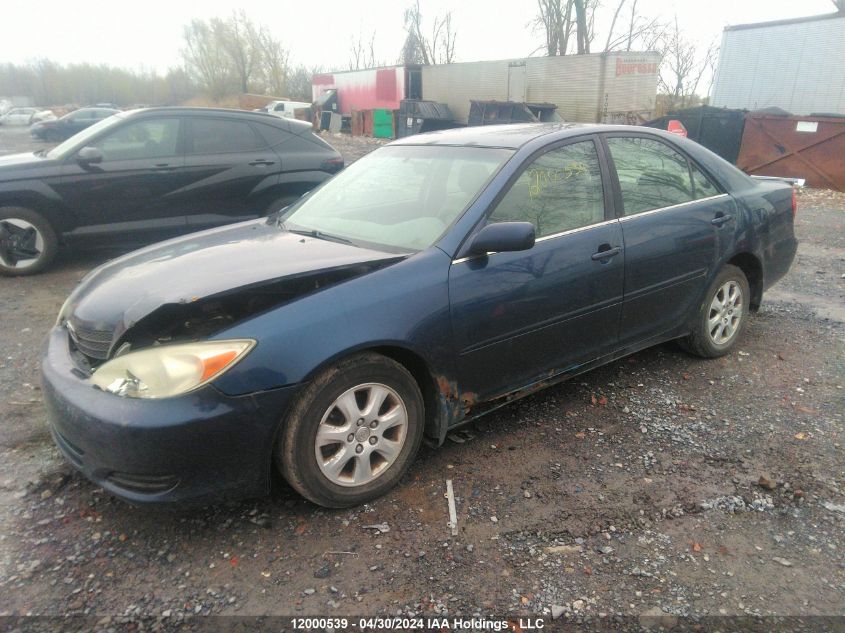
368, 89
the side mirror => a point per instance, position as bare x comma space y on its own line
89, 156
502, 237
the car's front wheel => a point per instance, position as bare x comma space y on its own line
722, 316
27, 241
353, 432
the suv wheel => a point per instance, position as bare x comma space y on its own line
27, 241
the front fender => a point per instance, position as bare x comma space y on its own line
404, 305
38, 196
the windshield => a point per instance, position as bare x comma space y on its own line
401, 197
80, 140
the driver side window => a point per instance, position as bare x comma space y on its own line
153, 138
559, 191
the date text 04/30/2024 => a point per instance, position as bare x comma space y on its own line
412, 623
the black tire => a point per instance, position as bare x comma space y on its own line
295, 453
700, 342
48, 243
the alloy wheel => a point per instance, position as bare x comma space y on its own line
361, 434
725, 313
21, 243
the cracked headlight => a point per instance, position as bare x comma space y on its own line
169, 370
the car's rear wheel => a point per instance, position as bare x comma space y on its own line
353, 432
27, 242
722, 316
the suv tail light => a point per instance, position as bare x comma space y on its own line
332, 165
794, 201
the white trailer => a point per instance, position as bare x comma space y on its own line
795, 65
598, 88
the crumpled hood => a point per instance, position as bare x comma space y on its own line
120, 293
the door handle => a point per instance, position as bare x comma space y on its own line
721, 218
606, 253
262, 162
163, 167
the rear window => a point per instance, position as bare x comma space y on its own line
221, 136
272, 135
651, 174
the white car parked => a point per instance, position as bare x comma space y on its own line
44, 115
19, 116
284, 109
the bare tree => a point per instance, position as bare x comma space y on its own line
299, 82
274, 63
205, 60
581, 27
239, 37
52, 84
554, 17
234, 54
363, 55
643, 33
373, 62
411, 49
684, 67
416, 47
449, 37
610, 31
561, 19
436, 48
356, 54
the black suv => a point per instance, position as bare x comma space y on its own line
148, 174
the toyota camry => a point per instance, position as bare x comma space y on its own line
438, 278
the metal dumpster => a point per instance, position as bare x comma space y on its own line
495, 112
717, 129
383, 123
809, 147
417, 116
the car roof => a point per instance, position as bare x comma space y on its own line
262, 116
514, 135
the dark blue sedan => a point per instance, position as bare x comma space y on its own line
434, 280
68, 125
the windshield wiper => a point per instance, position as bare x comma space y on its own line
317, 234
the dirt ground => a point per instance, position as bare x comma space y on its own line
661, 486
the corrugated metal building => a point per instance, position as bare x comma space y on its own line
796, 65
603, 87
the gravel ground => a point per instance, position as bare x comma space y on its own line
661, 486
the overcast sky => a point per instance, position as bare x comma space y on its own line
149, 34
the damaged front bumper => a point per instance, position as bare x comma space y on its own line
201, 446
